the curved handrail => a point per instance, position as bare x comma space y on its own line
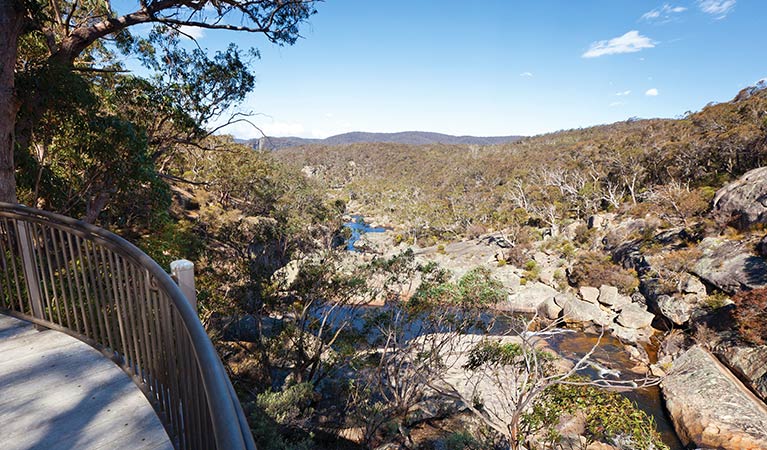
66, 274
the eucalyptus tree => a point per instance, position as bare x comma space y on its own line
46, 45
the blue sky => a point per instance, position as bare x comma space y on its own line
494, 67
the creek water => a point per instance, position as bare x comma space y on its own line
358, 227
610, 354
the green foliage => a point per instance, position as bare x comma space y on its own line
610, 417
532, 270
461, 440
172, 241
478, 287
291, 406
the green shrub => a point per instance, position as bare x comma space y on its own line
290, 406
462, 440
609, 416
479, 287
532, 270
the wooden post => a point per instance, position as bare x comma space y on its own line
30, 270
183, 271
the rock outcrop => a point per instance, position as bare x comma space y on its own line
749, 363
743, 203
710, 407
730, 266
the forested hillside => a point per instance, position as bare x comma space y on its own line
669, 166
357, 137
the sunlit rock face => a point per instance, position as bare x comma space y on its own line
743, 203
710, 407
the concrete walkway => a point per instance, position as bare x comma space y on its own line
59, 393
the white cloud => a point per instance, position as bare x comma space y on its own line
628, 43
622, 94
651, 92
187, 32
614, 104
526, 74
717, 8
663, 14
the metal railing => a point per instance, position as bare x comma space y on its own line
70, 276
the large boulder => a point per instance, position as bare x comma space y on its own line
578, 311
634, 316
743, 202
730, 266
710, 407
677, 309
549, 309
609, 296
589, 294
529, 296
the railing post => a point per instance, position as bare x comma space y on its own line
30, 269
183, 271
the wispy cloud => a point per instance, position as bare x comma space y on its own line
651, 92
717, 8
614, 104
623, 94
628, 43
526, 74
663, 14
188, 32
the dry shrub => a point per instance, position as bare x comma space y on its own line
681, 260
751, 315
595, 269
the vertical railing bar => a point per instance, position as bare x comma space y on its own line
135, 319
160, 350
61, 264
200, 399
10, 259
32, 277
122, 311
191, 390
156, 370
19, 298
82, 289
109, 277
77, 300
99, 297
40, 270
53, 305
185, 394
143, 307
173, 374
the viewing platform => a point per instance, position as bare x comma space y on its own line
100, 348
57, 392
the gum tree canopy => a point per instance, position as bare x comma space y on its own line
43, 43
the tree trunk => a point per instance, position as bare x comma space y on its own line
11, 23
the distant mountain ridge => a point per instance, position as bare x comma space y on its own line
403, 137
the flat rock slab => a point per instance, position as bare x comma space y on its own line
710, 407
57, 392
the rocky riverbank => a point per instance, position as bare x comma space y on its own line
684, 279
